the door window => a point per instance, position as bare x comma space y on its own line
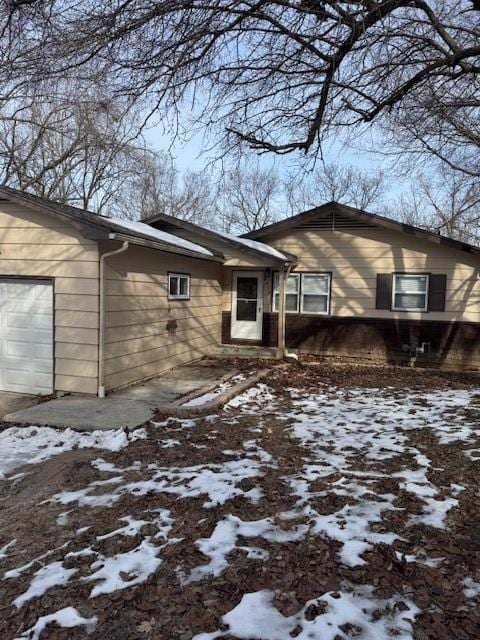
247, 292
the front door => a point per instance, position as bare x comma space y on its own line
247, 305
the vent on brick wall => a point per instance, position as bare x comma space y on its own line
334, 221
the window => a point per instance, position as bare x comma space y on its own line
292, 291
410, 292
315, 292
178, 286
306, 292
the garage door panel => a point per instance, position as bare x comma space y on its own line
31, 336
18, 349
26, 337
18, 382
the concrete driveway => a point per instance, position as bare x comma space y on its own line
11, 402
129, 407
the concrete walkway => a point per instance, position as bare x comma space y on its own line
14, 402
126, 408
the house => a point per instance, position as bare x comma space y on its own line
89, 304
358, 286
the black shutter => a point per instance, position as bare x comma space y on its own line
437, 286
384, 291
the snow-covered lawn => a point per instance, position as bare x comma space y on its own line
302, 510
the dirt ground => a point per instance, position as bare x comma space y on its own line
246, 465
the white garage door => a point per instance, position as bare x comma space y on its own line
26, 336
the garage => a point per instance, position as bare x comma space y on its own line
26, 335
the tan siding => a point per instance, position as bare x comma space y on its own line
35, 244
139, 344
172, 356
76, 335
355, 257
74, 384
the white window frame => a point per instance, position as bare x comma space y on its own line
276, 291
327, 294
425, 293
178, 277
300, 295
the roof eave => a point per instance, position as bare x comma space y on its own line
207, 233
381, 221
168, 248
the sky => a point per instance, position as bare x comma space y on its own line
191, 153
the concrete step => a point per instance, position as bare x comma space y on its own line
244, 351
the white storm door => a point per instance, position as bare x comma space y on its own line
26, 336
247, 305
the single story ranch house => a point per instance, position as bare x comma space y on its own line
89, 304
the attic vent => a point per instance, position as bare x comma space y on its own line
335, 221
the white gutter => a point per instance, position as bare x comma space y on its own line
101, 332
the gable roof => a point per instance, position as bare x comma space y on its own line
361, 219
97, 227
241, 243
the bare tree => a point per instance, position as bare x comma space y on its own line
248, 198
279, 76
346, 184
446, 203
158, 187
70, 150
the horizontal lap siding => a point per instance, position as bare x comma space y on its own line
35, 244
356, 256
146, 333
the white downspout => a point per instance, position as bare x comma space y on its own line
101, 331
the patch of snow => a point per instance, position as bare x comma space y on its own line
84, 498
419, 559
187, 423
4, 549
224, 540
62, 519
255, 618
213, 395
49, 576
351, 526
260, 393
101, 465
67, 618
132, 528
161, 236
471, 589
168, 443
81, 530
254, 244
15, 573
31, 445
434, 512
136, 566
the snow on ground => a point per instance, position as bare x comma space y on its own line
51, 575
124, 570
471, 589
213, 395
217, 481
353, 440
5, 548
67, 618
256, 618
339, 425
224, 540
30, 445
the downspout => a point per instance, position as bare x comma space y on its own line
101, 332
282, 350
